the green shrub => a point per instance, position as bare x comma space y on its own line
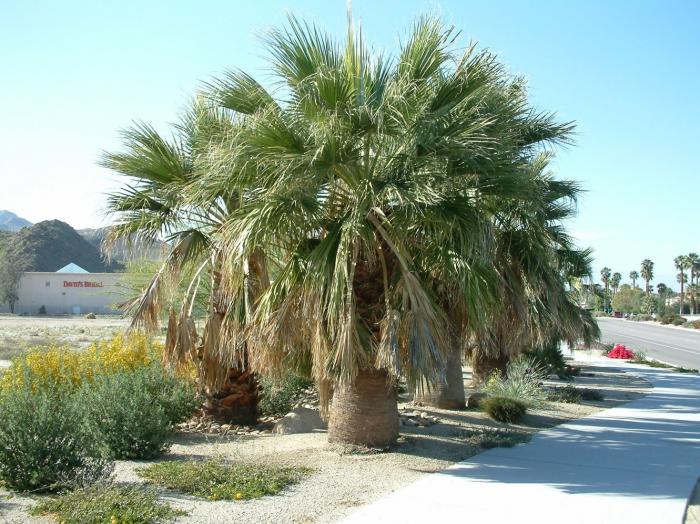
216, 481
504, 409
107, 503
568, 394
550, 359
131, 413
91, 316
678, 321
670, 318
523, 382
278, 398
43, 445
591, 395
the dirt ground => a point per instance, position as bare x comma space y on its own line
17, 334
342, 479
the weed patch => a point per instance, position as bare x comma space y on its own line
215, 481
107, 503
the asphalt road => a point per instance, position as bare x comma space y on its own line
675, 346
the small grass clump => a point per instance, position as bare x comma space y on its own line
591, 395
489, 438
522, 382
568, 394
108, 503
504, 409
215, 481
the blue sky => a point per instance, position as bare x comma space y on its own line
73, 73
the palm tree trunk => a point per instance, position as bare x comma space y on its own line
237, 401
365, 413
483, 366
450, 393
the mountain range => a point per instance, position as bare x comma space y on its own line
11, 222
52, 244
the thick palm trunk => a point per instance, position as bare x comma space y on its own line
484, 366
365, 413
450, 393
237, 400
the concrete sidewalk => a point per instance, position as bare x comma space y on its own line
634, 464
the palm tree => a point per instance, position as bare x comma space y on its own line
633, 277
605, 278
373, 187
682, 263
615, 282
694, 266
647, 272
156, 202
538, 265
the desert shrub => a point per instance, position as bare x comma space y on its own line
640, 357
60, 366
216, 481
489, 438
670, 318
591, 394
694, 324
523, 382
131, 413
91, 316
504, 409
43, 444
549, 357
278, 398
108, 503
568, 394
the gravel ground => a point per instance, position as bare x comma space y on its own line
344, 479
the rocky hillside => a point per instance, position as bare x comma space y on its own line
11, 222
50, 245
121, 252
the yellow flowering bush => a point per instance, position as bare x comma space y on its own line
61, 366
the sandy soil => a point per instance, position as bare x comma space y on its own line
343, 480
19, 333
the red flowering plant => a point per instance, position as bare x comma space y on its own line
620, 351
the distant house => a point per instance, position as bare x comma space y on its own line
69, 291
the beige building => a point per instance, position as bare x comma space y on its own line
69, 291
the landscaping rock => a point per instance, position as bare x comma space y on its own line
300, 420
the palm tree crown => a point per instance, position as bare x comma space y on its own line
647, 272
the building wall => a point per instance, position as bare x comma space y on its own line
69, 293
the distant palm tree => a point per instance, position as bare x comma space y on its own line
605, 278
633, 277
615, 282
694, 262
682, 263
647, 272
